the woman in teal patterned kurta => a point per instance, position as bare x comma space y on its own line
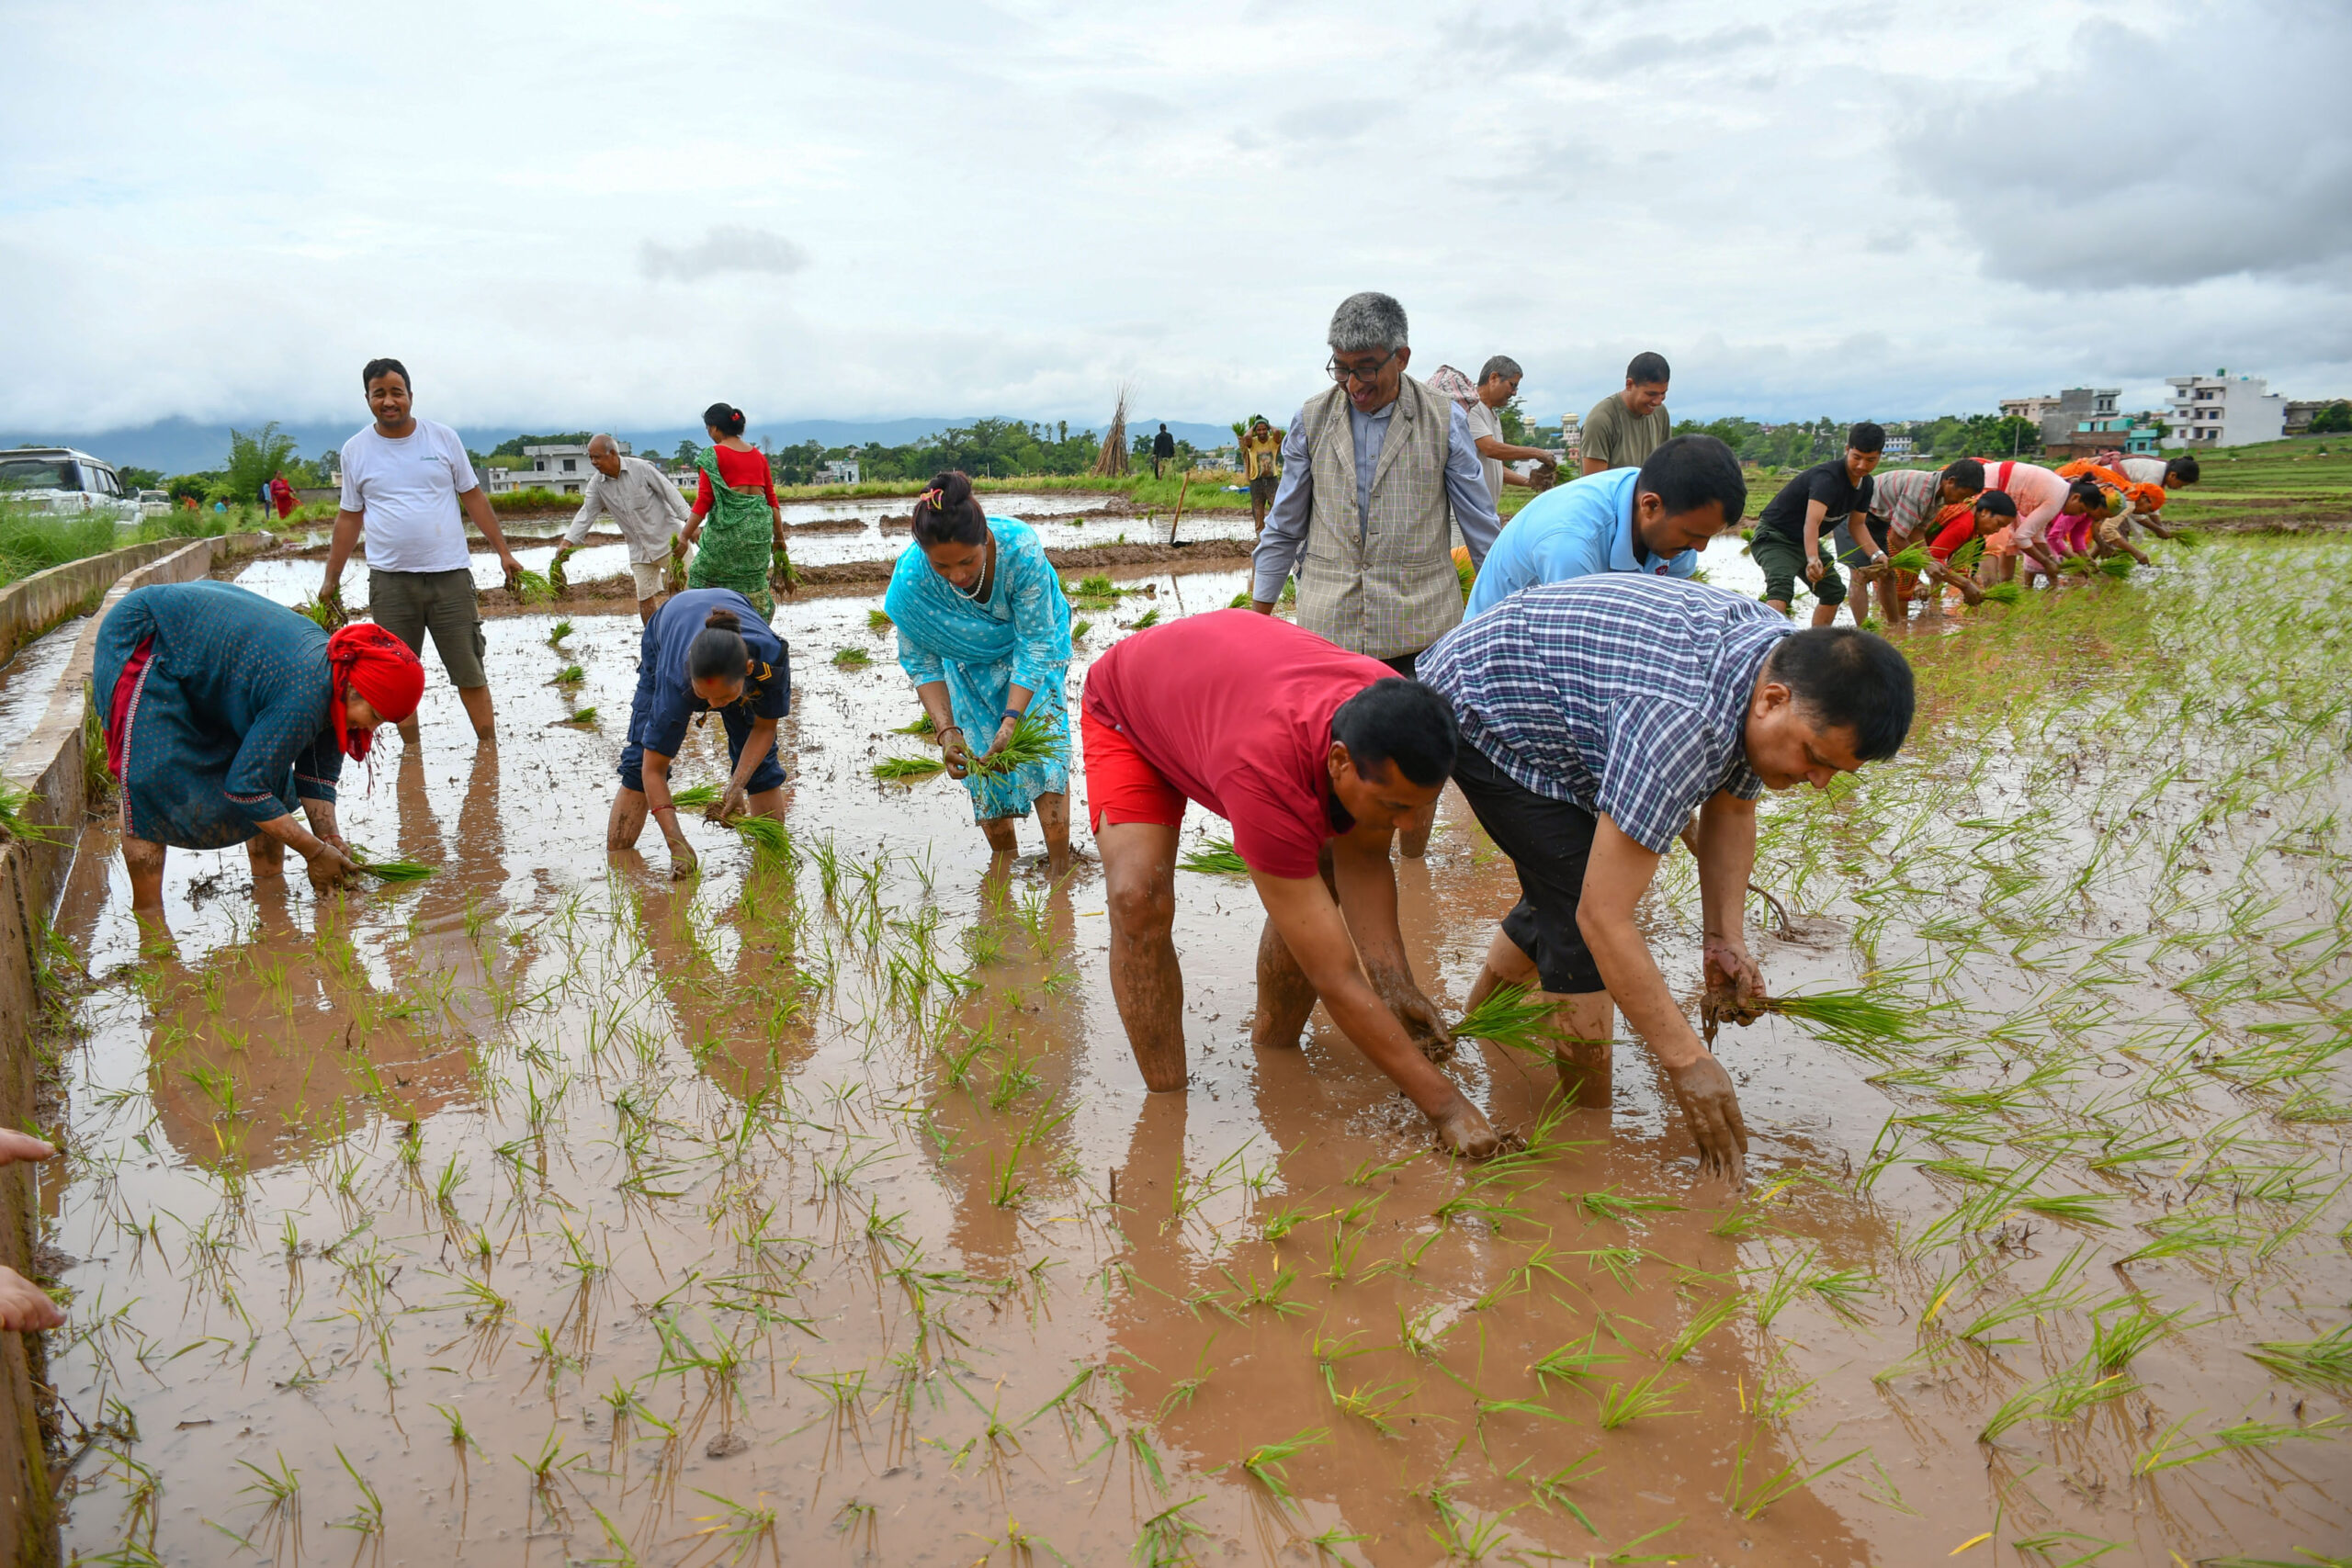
984, 634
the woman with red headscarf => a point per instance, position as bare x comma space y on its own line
224, 711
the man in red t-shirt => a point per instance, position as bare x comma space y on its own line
1315, 755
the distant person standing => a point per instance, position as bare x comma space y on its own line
645, 506
1799, 521
281, 495
409, 485
1262, 466
1163, 448
1498, 385
1377, 472
735, 504
1625, 427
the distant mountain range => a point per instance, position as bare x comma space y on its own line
182, 445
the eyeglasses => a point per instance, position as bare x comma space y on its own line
1343, 373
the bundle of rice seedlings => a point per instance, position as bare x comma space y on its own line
1506, 1018
696, 797
1242, 600
1148, 618
583, 717
1912, 557
674, 574
2117, 565
558, 632
324, 614
1033, 740
570, 675
2186, 539
13, 800
2077, 565
769, 837
1079, 630
1215, 857
877, 620
1848, 1015
558, 581
902, 769
1100, 586
390, 870
531, 587
2321, 1361
2004, 594
921, 726
1964, 558
852, 659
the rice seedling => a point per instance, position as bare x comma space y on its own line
1506, 1018
390, 870
877, 620
368, 1519
2004, 594
327, 617
1033, 740
1749, 1501
1628, 1403
1573, 1362
2325, 1361
531, 587
900, 769
1611, 1204
2077, 565
557, 633
1166, 1540
1150, 618
1703, 1322
1911, 558
1080, 628
570, 675
14, 798
1215, 857
1264, 1463
852, 659
921, 726
2118, 567
2125, 1327
582, 717
767, 835
696, 797
1845, 1016
1239, 601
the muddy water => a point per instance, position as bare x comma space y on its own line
816, 1209
27, 679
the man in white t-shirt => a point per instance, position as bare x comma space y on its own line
408, 482
1499, 384
646, 507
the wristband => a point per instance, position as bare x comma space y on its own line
671, 810
1013, 713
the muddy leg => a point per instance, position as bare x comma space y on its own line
1003, 842
478, 709
144, 861
1139, 874
626, 821
1505, 966
1284, 994
1053, 817
267, 856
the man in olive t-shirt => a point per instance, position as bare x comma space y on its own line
1625, 427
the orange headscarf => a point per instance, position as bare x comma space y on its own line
2144, 497
365, 658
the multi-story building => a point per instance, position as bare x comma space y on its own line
2032, 409
2089, 438
1572, 436
1898, 448
839, 471
2221, 409
562, 469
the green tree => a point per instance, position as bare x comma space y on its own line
255, 458
686, 453
2334, 420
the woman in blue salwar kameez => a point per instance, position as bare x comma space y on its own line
984, 634
223, 712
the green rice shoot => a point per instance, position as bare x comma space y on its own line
1033, 740
1912, 557
1507, 1017
1963, 559
570, 675
2004, 593
1148, 618
1846, 1015
902, 770
390, 870
532, 587
852, 659
1215, 857
2117, 565
696, 797
921, 726
768, 836
877, 620
557, 633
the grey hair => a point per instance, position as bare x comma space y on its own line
1365, 322
1502, 364
606, 440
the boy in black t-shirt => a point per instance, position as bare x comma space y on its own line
1798, 521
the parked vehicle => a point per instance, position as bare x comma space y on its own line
155, 502
61, 480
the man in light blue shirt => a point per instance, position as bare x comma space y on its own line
1653, 520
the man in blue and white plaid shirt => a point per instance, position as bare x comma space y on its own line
1596, 715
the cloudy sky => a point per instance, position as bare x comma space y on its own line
613, 213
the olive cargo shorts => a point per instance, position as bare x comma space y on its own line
409, 604
1784, 563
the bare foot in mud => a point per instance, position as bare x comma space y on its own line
1463, 1129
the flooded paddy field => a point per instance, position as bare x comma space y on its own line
811, 1209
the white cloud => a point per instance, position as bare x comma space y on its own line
573, 215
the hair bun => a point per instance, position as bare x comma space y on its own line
725, 619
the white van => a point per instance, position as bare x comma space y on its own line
61, 480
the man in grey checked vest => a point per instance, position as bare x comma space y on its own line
1375, 474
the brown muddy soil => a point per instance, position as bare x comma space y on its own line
553, 1209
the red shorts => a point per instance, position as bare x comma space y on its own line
1120, 785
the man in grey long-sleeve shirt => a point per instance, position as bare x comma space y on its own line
1375, 577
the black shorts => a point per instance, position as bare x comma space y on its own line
1548, 841
1405, 664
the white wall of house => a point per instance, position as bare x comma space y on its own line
2224, 410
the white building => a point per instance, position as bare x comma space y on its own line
1898, 448
2032, 409
1572, 435
562, 469
2223, 410
839, 471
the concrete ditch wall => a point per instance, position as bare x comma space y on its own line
31, 875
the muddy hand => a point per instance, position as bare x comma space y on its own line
1712, 1106
681, 861
1463, 1130
733, 803
957, 752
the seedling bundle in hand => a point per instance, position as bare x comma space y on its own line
390, 870
1033, 740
